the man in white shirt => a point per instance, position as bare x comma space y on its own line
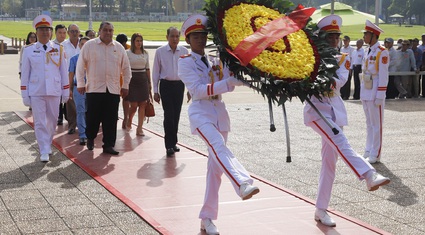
60, 34
347, 49
168, 87
422, 47
356, 67
102, 60
392, 91
71, 48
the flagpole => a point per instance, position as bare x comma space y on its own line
90, 17
377, 10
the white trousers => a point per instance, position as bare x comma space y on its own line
374, 120
332, 146
45, 113
220, 160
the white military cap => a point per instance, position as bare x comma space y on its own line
330, 24
371, 27
42, 21
195, 23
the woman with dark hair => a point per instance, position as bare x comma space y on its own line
140, 85
31, 38
90, 33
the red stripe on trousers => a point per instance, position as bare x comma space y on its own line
218, 159
337, 148
380, 131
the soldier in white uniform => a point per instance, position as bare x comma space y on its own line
209, 119
44, 80
333, 109
373, 90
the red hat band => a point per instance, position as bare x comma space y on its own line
194, 28
42, 24
331, 28
370, 29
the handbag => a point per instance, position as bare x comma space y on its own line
149, 110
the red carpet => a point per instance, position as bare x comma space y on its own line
168, 192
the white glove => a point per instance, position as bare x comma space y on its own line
27, 101
379, 102
232, 81
65, 99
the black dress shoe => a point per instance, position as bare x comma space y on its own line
71, 131
90, 144
82, 141
170, 151
110, 150
176, 149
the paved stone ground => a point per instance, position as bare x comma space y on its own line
398, 208
57, 197
60, 198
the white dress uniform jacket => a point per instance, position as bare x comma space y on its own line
207, 106
331, 106
376, 64
44, 72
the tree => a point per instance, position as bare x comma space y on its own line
416, 8
12, 7
123, 6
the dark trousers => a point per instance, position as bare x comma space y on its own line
62, 111
102, 108
392, 91
346, 89
172, 93
423, 86
357, 69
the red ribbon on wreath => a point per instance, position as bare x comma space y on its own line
253, 45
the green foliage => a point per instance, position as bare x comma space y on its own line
151, 31
155, 31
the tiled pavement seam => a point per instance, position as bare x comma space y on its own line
57, 197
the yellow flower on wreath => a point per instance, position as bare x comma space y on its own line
297, 64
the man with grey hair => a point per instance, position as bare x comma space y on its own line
356, 67
407, 63
71, 48
102, 60
346, 48
392, 91
168, 87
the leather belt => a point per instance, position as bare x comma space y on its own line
138, 70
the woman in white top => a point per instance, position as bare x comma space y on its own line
31, 38
140, 85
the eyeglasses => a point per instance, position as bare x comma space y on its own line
74, 31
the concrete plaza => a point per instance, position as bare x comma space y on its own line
37, 198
